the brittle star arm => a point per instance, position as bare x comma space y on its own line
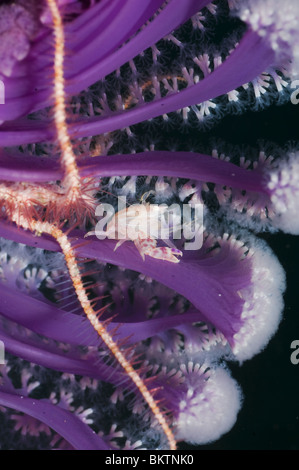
69, 255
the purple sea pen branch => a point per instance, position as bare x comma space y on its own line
190, 165
266, 183
56, 360
65, 423
116, 31
50, 321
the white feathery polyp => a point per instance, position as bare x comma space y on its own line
263, 304
212, 412
284, 186
277, 22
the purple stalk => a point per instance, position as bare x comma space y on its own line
104, 32
190, 165
111, 34
56, 360
57, 324
65, 423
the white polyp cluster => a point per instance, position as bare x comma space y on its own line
263, 303
210, 412
26, 268
277, 21
284, 186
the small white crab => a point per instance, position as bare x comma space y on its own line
143, 224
